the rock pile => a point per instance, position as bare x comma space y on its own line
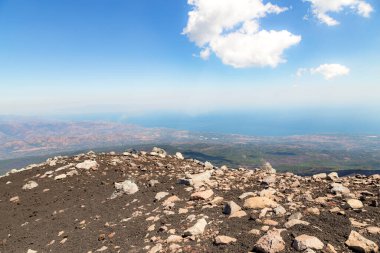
157, 202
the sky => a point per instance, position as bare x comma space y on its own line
191, 57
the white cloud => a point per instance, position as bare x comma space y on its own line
231, 30
205, 54
322, 9
301, 72
328, 71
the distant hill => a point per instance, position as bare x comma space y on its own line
32, 141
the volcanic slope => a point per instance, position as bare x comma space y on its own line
156, 202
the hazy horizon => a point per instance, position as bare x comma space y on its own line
249, 122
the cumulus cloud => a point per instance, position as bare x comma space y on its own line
322, 8
328, 71
230, 29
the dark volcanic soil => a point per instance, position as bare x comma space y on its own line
76, 214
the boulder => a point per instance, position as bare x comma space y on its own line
160, 195
271, 242
294, 222
169, 201
267, 167
238, 214
59, 177
196, 179
30, 185
208, 166
179, 156
373, 230
197, 229
269, 180
246, 194
125, 187
357, 243
279, 210
222, 239
174, 239
304, 242
88, 165
202, 195
231, 207
15, 199
355, 203
333, 176
259, 203
319, 176
339, 188
158, 151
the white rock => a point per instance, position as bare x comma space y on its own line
222, 239
358, 243
208, 166
279, 210
267, 167
202, 195
161, 195
304, 242
61, 176
87, 165
231, 207
103, 248
333, 176
271, 242
320, 176
294, 222
373, 230
355, 204
14, 199
179, 156
196, 179
156, 248
30, 185
246, 194
127, 187
259, 203
161, 152
174, 239
197, 229
338, 188
72, 173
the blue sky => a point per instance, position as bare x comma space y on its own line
132, 56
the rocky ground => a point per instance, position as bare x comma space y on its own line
154, 202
